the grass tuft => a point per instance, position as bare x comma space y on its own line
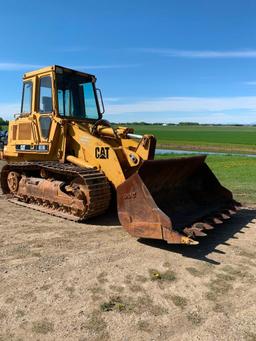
194, 318
96, 324
115, 303
144, 326
156, 275
42, 327
179, 301
194, 272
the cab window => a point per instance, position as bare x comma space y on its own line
88, 98
77, 97
26, 98
45, 99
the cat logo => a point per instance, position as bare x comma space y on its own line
101, 152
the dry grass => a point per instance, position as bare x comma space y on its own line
179, 301
156, 275
195, 318
42, 327
115, 303
194, 272
96, 324
85, 266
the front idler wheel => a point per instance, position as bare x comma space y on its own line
13, 179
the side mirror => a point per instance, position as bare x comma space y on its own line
100, 101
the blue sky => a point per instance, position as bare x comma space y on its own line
162, 60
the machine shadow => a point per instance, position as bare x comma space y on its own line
110, 218
219, 236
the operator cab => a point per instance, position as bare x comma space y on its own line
77, 95
52, 96
69, 93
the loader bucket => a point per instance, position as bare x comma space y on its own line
174, 199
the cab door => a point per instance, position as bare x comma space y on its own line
51, 132
45, 106
22, 135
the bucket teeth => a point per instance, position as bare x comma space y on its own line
236, 206
208, 226
224, 216
203, 226
217, 221
194, 232
198, 228
188, 241
188, 232
198, 225
198, 233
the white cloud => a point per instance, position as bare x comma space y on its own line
172, 109
185, 104
28, 67
246, 53
207, 118
214, 117
105, 66
18, 67
8, 109
251, 83
112, 99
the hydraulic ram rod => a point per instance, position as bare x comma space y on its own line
135, 136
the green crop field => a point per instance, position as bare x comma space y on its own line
209, 138
237, 173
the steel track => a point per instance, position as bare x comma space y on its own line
96, 183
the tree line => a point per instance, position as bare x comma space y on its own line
3, 124
179, 124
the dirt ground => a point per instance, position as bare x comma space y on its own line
66, 281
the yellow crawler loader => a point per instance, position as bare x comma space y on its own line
64, 159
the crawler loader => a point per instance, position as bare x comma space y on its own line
64, 159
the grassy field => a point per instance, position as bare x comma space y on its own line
208, 138
237, 173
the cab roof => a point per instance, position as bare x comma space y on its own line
57, 69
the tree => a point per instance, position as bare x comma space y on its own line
3, 124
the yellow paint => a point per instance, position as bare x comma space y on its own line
72, 140
78, 162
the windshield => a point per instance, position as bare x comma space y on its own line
76, 97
